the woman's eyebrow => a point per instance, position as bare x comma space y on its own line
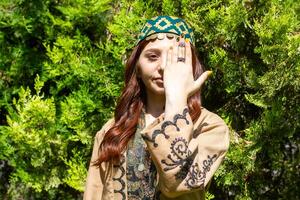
152, 50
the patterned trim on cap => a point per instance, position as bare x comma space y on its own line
166, 24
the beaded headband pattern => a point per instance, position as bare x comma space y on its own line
166, 24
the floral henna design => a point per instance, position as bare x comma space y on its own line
199, 130
180, 156
196, 177
165, 125
183, 158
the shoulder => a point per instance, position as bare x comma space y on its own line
100, 134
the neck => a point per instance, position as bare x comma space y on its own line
155, 104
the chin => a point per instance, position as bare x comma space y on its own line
156, 89
162, 93
159, 91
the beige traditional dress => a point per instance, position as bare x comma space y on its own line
176, 160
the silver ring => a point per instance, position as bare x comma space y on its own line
180, 59
181, 52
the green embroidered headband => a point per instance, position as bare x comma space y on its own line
165, 24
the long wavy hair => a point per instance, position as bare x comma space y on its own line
130, 104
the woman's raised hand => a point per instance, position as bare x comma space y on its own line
179, 81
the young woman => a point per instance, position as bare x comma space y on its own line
161, 144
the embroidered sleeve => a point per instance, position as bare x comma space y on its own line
94, 184
186, 156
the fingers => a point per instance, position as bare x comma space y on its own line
199, 82
175, 52
181, 48
188, 53
169, 58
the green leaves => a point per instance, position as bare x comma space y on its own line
61, 72
57, 45
76, 170
33, 133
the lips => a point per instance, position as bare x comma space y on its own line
158, 79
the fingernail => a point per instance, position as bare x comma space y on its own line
209, 73
181, 44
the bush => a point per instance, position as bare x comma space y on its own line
61, 71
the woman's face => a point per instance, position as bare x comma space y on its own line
151, 64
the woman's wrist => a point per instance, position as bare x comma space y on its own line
174, 105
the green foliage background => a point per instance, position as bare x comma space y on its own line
61, 71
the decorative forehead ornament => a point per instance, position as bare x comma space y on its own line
161, 26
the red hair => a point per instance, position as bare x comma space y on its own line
130, 104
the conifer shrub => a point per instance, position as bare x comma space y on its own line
61, 72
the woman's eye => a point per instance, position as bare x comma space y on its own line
152, 57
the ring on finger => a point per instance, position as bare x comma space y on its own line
181, 52
180, 59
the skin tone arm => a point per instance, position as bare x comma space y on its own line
177, 92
